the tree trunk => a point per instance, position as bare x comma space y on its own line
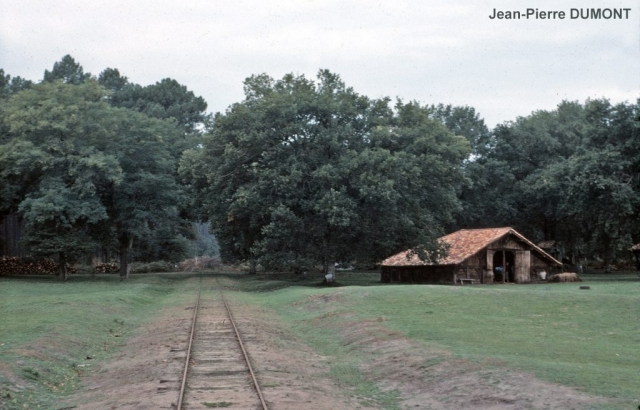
63, 266
252, 265
607, 255
126, 243
330, 272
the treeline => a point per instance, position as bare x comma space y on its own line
91, 163
570, 175
302, 172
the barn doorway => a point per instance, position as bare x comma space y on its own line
504, 266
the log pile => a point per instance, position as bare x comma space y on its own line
13, 265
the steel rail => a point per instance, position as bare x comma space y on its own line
244, 352
186, 362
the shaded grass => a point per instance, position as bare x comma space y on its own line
51, 333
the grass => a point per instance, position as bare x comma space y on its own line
52, 332
587, 339
217, 405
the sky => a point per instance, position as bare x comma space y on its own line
427, 51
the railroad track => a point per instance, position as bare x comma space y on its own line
217, 371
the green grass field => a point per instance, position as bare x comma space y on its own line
48, 328
587, 339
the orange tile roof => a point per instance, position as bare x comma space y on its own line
462, 245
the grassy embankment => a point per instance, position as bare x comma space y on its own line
51, 333
587, 339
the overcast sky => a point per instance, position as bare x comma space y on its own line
430, 51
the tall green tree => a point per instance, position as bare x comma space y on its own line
11, 85
302, 171
465, 121
570, 174
170, 101
77, 169
166, 99
66, 70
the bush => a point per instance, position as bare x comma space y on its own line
157, 266
84, 269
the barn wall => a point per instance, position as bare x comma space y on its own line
507, 243
539, 264
473, 268
467, 272
418, 274
523, 266
511, 243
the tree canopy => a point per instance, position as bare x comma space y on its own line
82, 173
571, 174
307, 172
303, 172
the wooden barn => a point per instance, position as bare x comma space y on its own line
493, 255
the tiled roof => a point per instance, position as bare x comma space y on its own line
462, 245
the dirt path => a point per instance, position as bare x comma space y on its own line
435, 379
146, 374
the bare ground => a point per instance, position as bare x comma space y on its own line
146, 374
430, 378
435, 379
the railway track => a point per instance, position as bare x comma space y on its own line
217, 371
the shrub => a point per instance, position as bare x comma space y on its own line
156, 266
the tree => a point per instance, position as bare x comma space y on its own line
165, 99
49, 175
466, 122
9, 85
309, 172
82, 172
173, 102
113, 81
58, 219
570, 174
68, 71
147, 200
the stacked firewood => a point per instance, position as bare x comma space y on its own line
13, 265
109, 267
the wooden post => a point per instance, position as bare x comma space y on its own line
504, 266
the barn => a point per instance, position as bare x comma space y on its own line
493, 255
